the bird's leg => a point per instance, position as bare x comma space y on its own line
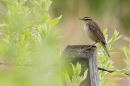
86, 48
92, 45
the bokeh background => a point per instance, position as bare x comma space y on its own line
110, 14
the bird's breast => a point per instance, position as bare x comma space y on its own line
90, 34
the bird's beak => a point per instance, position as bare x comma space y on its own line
81, 18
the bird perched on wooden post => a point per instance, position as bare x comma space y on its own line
94, 32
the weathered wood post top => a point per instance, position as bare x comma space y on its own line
86, 55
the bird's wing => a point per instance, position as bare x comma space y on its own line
97, 31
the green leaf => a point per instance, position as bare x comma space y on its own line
73, 68
78, 68
11, 8
48, 5
7, 1
114, 37
55, 21
22, 1
127, 39
37, 14
36, 4
126, 55
67, 79
1, 25
5, 32
118, 37
105, 31
85, 74
27, 33
28, 13
7, 41
46, 18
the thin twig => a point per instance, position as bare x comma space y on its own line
111, 71
16, 64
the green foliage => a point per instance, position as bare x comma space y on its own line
103, 60
127, 60
30, 46
101, 53
76, 78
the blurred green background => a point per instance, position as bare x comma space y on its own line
111, 14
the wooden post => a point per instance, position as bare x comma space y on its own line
84, 54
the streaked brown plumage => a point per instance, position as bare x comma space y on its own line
94, 32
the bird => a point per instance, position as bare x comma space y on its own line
94, 32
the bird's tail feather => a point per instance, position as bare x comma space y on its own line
105, 48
